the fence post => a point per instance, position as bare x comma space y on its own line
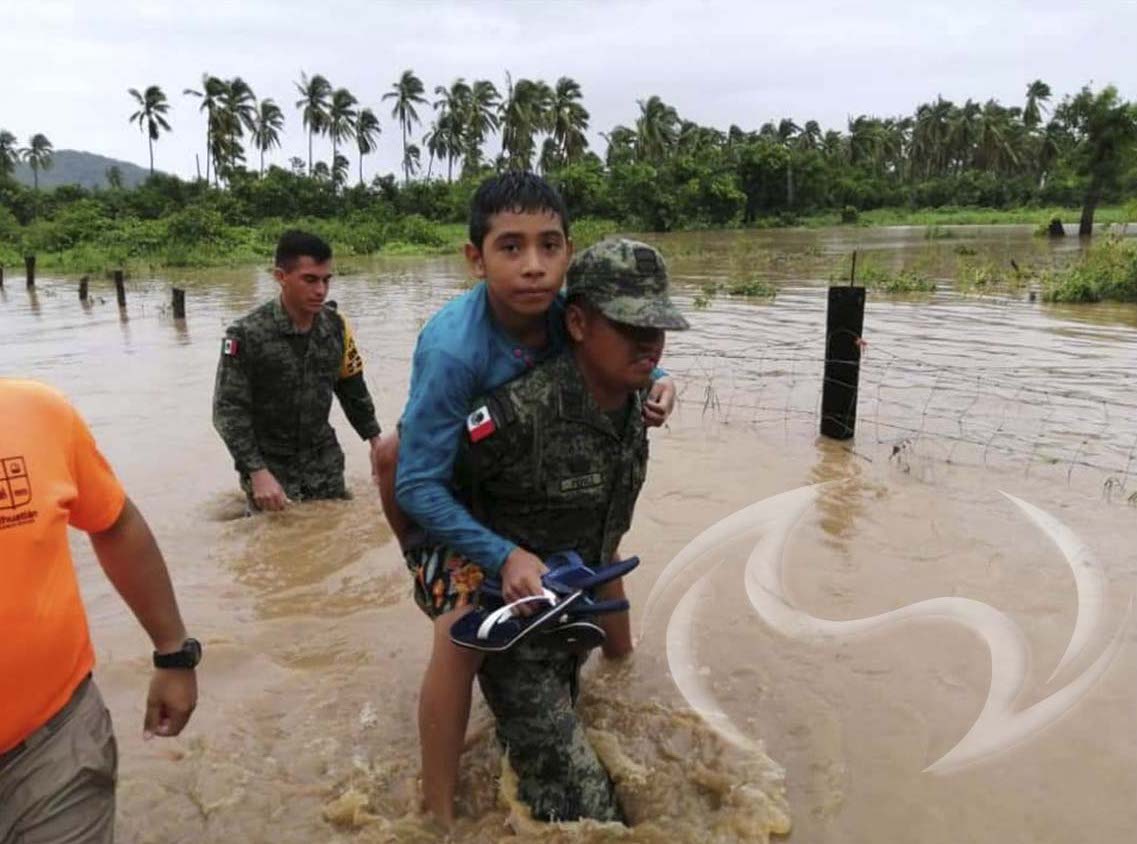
845, 320
83, 288
1, 276
179, 303
119, 288
30, 270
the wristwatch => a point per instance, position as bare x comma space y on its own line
188, 656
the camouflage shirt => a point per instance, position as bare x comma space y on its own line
549, 470
274, 387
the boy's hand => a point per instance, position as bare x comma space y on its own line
660, 402
521, 577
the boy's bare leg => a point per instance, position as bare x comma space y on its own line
616, 625
388, 462
443, 713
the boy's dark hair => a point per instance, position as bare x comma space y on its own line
295, 244
517, 191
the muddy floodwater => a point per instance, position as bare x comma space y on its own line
869, 656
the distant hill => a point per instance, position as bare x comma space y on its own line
72, 167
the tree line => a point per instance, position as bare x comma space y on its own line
662, 171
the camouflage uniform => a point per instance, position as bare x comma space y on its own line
557, 473
273, 395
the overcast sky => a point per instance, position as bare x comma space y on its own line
67, 65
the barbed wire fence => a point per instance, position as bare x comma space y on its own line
994, 415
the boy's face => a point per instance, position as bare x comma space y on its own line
304, 286
523, 259
623, 355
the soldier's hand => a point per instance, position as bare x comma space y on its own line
660, 402
379, 455
268, 494
521, 577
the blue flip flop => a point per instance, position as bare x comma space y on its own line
495, 628
567, 572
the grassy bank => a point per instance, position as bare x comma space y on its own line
949, 216
193, 238
81, 240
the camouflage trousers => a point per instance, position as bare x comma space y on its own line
314, 473
532, 694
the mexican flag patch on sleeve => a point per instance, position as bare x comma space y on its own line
480, 424
229, 347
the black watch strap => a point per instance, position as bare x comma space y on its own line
187, 657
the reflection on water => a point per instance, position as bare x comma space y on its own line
840, 504
315, 650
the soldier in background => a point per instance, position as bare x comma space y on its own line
280, 365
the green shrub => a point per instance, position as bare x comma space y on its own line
1106, 272
753, 287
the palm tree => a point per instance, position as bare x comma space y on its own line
238, 112
212, 89
1104, 130
151, 115
9, 154
657, 129
313, 100
38, 156
340, 168
267, 124
1037, 92
341, 119
435, 142
412, 160
480, 120
621, 145
787, 131
447, 134
407, 93
367, 133
994, 150
569, 121
527, 111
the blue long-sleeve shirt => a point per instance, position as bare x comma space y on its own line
461, 354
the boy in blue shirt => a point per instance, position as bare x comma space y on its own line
505, 325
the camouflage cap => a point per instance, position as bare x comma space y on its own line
627, 281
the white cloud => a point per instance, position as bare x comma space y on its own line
717, 62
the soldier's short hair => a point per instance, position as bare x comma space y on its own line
295, 244
517, 191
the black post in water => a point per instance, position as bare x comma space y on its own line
179, 303
83, 288
119, 288
30, 270
844, 323
1, 276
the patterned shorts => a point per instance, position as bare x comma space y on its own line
444, 580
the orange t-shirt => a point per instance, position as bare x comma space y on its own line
51, 475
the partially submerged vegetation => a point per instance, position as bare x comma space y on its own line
1107, 271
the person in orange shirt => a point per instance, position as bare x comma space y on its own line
58, 758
